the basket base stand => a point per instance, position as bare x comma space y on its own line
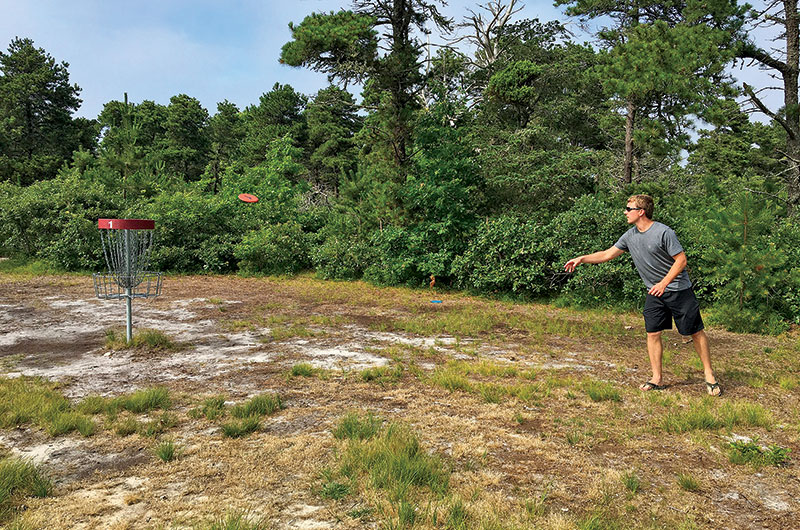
128, 318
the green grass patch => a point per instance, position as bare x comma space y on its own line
601, 391
240, 428
20, 479
450, 379
394, 460
750, 452
383, 374
355, 427
291, 332
64, 422
25, 400
144, 400
492, 392
709, 414
261, 405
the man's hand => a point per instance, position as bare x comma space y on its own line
571, 264
658, 289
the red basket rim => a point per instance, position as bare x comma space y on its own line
126, 224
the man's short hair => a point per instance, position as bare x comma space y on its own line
645, 202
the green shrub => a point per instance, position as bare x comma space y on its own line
276, 249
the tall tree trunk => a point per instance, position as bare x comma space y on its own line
787, 22
627, 166
790, 101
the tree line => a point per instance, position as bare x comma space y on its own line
485, 169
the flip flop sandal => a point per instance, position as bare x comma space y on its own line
648, 386
710, 389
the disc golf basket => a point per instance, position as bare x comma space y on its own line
126, 247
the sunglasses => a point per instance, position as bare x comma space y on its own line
629, 209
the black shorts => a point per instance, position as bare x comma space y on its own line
680, 305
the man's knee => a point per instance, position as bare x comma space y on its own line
654, 334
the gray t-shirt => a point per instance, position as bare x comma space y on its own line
652, 252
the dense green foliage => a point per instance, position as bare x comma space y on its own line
486, 173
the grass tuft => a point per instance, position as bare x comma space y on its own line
240, 428
303, 370
167, 450
151, 340
687, 482
355, 427
19, 479
262, 405
144, 400
235, 521
631, 481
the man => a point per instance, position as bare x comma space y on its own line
661, 263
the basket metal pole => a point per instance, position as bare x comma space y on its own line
128, 319
128, 298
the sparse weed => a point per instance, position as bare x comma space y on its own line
631, 481
261, 405
574, 437
334, 490
788, 382
750, 452
212, 408
235, 521
687, 482
457, 516
159, 425
518, 418
127, 426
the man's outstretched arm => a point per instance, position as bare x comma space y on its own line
597, 257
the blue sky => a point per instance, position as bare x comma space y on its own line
211, 50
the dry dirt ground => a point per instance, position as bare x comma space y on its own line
554, 460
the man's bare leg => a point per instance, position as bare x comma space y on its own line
700, 340
655, 350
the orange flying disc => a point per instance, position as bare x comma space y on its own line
246, 197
